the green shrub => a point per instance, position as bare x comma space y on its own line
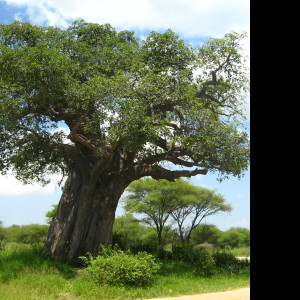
226, 261
205, 263
235, 237
117, 268
149, 247
184, 252
200, 257
161, 253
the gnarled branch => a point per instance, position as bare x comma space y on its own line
158, 172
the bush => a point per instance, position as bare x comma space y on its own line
235, 237
161, 253
33, 235
184, 252
227, 262
205, 233
200, 257
149, 247
205, 264
117, 268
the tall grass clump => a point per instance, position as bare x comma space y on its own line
115, 267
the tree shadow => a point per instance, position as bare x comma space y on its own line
15, 261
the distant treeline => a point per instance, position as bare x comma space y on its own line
130, 234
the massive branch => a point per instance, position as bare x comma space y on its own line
158, 172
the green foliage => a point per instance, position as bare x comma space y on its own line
163, 254
144, 246
205, 263
90, 74
127, 231
241, 251
184, 252
159, 201
208, 262
51, 213
226, 261
165, 52
201, 258
3, 236
235, 237
32, 235
154, 200
116, 267
27, 275
206, 233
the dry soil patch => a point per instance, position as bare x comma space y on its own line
240, 294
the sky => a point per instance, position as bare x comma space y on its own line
193, 21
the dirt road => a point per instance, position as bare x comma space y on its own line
240, 294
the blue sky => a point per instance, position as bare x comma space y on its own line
193, 20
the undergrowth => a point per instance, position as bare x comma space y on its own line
25, 274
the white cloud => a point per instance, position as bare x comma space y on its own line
242, 223
240, 196
198, 178
186, 17
10, 186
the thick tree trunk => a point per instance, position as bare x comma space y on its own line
85, 217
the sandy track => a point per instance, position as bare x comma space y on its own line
240, 294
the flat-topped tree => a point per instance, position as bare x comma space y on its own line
130, 107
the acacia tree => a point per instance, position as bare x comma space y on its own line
154, 200
128, 106
193, 204
158, 201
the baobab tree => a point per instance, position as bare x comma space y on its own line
128, 107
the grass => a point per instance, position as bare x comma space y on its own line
243, 251
26, 275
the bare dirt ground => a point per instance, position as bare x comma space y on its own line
239, 294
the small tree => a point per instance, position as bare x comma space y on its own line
153, 199
194, 206
158, 200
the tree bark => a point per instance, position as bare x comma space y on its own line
84, 218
